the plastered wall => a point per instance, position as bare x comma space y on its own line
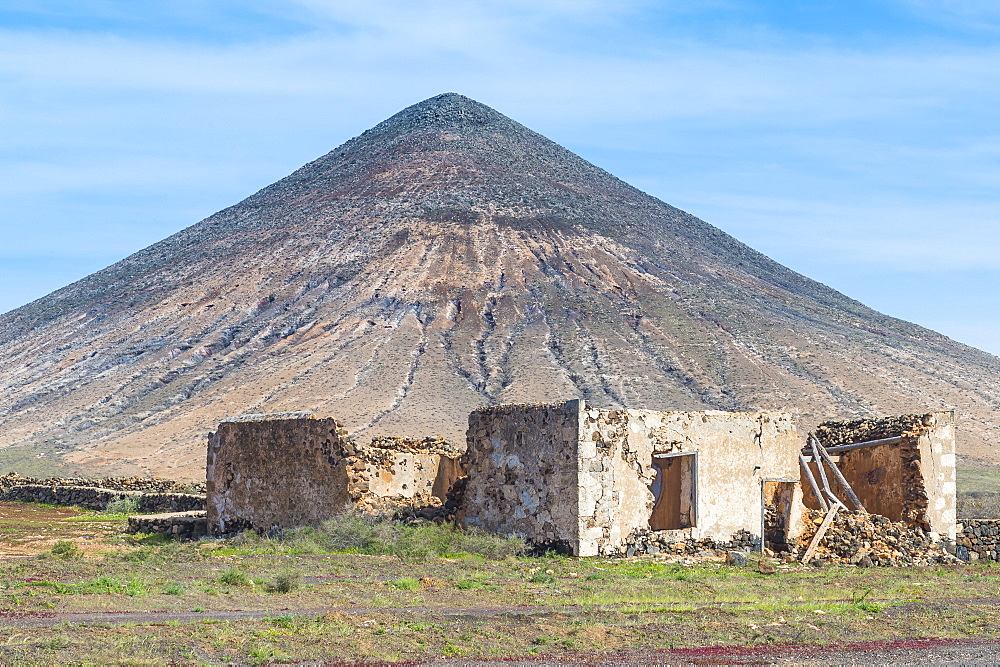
734, 453
937, 462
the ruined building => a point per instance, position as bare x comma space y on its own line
292, 469
584, 480
591, 482
902, 468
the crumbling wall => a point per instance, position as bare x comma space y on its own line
735, 453
407, 468
937, 463
275, 471
911, 481
522, 467
292, 469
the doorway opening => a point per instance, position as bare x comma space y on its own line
674, 491
777, 507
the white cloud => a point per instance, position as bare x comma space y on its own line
885, 153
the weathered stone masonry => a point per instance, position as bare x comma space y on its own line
585, 480
292, 469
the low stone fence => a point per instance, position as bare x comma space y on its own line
97, 498
143, 484
675, 543
180, 525
978, 539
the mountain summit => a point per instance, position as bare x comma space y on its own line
446, 259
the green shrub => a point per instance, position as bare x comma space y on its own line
174, 589
123, 506
284, 582
406, 583
65, 549
234, 577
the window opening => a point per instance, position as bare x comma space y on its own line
673, 492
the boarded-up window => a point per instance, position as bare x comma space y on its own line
674, 492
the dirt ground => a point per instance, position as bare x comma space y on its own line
123, 600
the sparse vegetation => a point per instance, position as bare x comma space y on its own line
586, 606
65, 549
354, 532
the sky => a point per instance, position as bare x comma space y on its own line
857, 143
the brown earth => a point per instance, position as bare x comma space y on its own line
448, 258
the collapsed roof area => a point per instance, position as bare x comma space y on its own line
587, 481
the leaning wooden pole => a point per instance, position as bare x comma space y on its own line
827, 491
821, 531
812, 483
840, 477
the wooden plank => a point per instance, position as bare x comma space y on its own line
819, 464
859, 445
812, 483
853, 497
820, 532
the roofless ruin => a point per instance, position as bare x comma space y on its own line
590, 482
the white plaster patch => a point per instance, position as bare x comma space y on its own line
948, 460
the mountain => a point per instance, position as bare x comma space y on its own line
446, 259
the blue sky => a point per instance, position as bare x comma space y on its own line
857, 143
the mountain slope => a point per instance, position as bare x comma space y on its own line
445, 259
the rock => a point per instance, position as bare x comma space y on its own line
737, 558
765, 566
864, 561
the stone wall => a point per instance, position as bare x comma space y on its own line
911, 481
144, 484
179, 525
734, 453
275, 471
523, 473
978, 539
98, 498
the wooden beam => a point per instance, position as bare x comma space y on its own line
840, 477
812, 483
819, 464
820, 532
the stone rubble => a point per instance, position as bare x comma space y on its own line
872, 540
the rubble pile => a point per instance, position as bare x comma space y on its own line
872, 540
